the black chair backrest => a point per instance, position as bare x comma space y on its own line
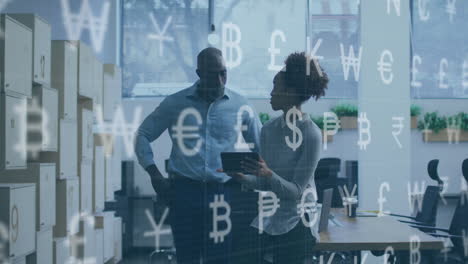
432, 171
429, 207
459, 227
325, 176
465, 169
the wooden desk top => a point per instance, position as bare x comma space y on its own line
372, 233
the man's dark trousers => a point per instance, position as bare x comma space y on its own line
191, 219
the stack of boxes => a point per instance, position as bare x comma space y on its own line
54, 175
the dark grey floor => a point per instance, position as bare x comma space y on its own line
142, 257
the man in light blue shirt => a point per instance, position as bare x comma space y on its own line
203, 121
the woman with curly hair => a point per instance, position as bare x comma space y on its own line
284, 170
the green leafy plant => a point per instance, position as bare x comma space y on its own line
415, 110
460, 119
345, 110
264, 117
433, 121
318, 121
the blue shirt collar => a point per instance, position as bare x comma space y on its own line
192, 91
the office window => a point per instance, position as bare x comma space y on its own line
335, 24
439, 49
256, 37
162, 38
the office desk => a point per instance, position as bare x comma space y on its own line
372, 233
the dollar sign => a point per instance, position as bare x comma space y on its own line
231, 41
364, 129
297, 133
216, 234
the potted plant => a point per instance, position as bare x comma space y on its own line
438, 128
415, 112
320, 123
264, 117
348, 114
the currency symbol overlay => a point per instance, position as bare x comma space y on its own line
219, 202
182, 132
364, 129
291, 118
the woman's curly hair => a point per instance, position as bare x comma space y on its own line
306, 81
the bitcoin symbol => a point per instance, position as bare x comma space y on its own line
157, 228
297, 133
331, 124
231, 40
384, 66
414, 71
350, 61
160, 33
451, 9
180, 131
268, 203
399, 128
415, 253
396, 5
443, 65
364, 130
308, 207
38, 120
219, 202
422, 9
275, 51
382, 199
240, 127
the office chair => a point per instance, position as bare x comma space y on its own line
326, 176
428, 213
458, 230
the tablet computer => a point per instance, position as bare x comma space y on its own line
231, 161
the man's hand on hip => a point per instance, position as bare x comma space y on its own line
160, 184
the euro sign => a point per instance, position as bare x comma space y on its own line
384, 66
181, 132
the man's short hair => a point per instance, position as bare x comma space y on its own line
207, 55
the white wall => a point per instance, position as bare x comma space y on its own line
52, 12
